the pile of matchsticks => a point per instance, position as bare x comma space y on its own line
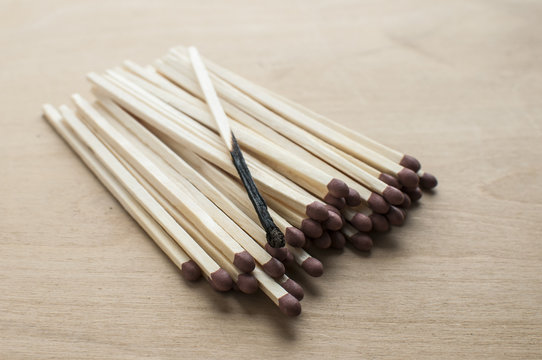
152, 138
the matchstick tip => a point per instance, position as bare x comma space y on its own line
289, 305
362, 222
322, 242
408, 178
311, 228
428, 181
393, 195
353, 198
378, 204
294, 237
338, 241
221, 280
380, 223
406, 202
190, 270
361, 241
395, 216
390, 180
317, 211
313, 267
338, 203
410, 162
275, 237
414, 194
244, 261
247, 283
294, 289
338, 188
289, 259
274, 268
277, 253
334, 222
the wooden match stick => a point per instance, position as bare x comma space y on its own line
360, 241
189, 269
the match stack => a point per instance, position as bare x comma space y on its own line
152, 137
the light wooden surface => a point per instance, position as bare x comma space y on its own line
456, 83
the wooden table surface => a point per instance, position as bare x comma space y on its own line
456, 83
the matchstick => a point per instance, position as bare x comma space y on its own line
359, 219
360, 241
189, 269
292, 287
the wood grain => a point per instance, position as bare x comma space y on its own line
455, 83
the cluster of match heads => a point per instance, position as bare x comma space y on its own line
152, 139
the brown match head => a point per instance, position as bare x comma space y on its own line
362, 242
247, 283
390, 180
274, 268
338, 203
428, 181
289, 305
334, 222
323, 242
317, 211
362, 222
393, 196
294, 288
378, 204
380, 223
333, 209
221, 280
289, 261
313, 267
395, 216
408, 178
406, 202
338, 188
278, 253
311, 228
414, 194
244, 261
294, 237
337, 240
410, 162
308, 244
353, 198
190, 270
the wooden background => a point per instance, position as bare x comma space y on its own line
456, 83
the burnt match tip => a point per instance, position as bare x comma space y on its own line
408, 178
410, 162
362, 242
390, 180
395, 216
378, 204
278, 253
244, 261
338, 203
323, 242
380, 223
294, 288
353, 198
289, 305
247, 283
428, 181
334, 222
311, 228
313, 267
414, 194
221, 280
338, 188
337, 240
406, 202
275, 237
274, 268
362, 222
393, 195
317, 211
190, 270
294, 237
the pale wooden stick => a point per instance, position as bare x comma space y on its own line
188, 267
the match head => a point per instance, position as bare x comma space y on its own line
294, 288
289, 259
311, 228
393, 196
428, 181
317, 211
414, 194
294, 237
390, 180
274, 268
410, 162
338, 188
406, 202
353, 198
247, 283
338, 203
395, 216
278, 253
362, 242
334, 222
244, 261
378, 204
275, 237
362, 222
333, 209
380, 223
337, 240
190, 270
408, 178
289, 305
323, 242
221, 280
313, 267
